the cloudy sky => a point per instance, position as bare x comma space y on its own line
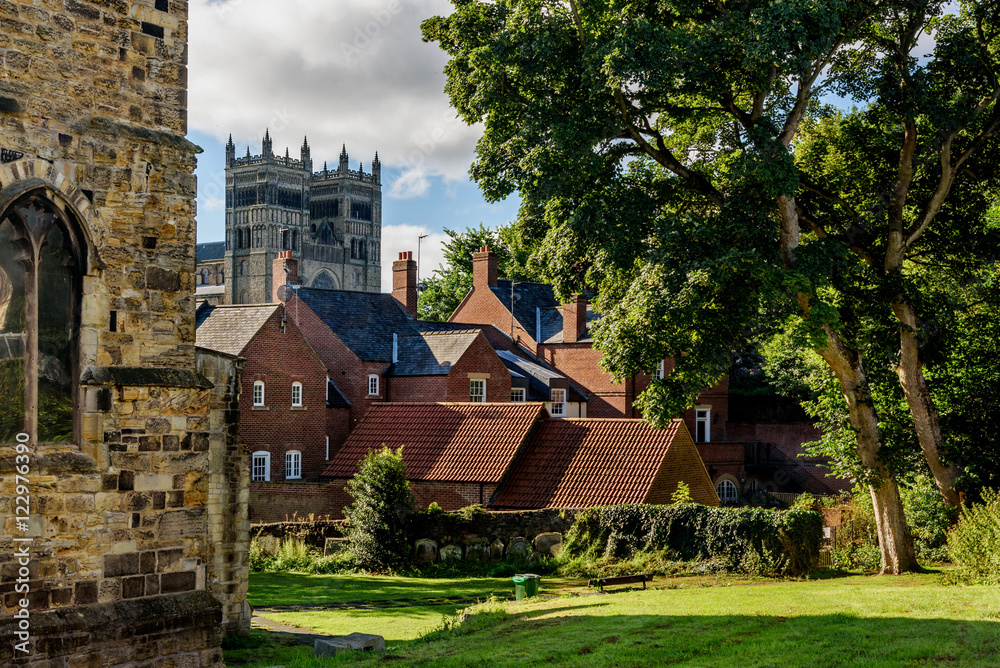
351, 72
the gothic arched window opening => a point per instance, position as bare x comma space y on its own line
42, 259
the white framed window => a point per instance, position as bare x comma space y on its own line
261, 468
727, 491
258, 393
373, 385
702, 425
477, 390
558, 403
293, 465
658, 372
297, 394
517, 394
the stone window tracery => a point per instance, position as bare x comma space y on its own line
42, 257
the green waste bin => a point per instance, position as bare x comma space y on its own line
525, 585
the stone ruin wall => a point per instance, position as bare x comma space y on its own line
125, 518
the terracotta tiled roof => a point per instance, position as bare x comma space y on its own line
575, 463
457, 442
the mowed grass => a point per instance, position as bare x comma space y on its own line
864, 621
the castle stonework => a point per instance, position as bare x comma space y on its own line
331, 220
121, 525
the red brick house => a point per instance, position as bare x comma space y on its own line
515, 455
291, 414
558, 336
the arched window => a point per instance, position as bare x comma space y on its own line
258, 393
261, 468
42, 259
293, 465
727, 491
297, 394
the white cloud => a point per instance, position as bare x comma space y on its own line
399, 238
351, 71
215, 204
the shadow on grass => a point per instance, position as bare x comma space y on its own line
536, 637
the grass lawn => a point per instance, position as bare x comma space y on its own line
859, 621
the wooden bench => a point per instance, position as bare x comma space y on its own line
621, 580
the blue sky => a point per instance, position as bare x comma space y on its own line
352, 72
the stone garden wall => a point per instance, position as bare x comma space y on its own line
482, 535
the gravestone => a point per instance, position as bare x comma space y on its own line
334, 546
451, 553
548, 544
426, 551
496, 550
478, 552
519, 547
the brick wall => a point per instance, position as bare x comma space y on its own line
479, 358
279, 502
279, 359
682, 463
347, 371
419, 388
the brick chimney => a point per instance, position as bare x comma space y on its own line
574, 318
484, 269
284, 269
404, 283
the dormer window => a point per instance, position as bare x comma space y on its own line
558, 403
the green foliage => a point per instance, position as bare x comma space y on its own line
382, 502
928, 516
293, 555
434, 508
807, 501
447, 287
974, 543
682, 494
748, 540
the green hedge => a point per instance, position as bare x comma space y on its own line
751, 540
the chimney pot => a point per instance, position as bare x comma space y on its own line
484, 269
404, 283
574, 318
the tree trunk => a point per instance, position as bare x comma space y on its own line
918, 396
895, 541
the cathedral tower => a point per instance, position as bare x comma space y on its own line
330, 220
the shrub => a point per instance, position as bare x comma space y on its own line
382, 502
974, 543
929, 518
682, 494
751, 540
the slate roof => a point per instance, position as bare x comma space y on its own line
211, 252
575, 463
228, 329
364, 321
334, 397
539, 377
527, 298
455, 442
209, 290
431, 353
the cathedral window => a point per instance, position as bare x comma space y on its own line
41, 260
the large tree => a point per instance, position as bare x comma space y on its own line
656, 140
